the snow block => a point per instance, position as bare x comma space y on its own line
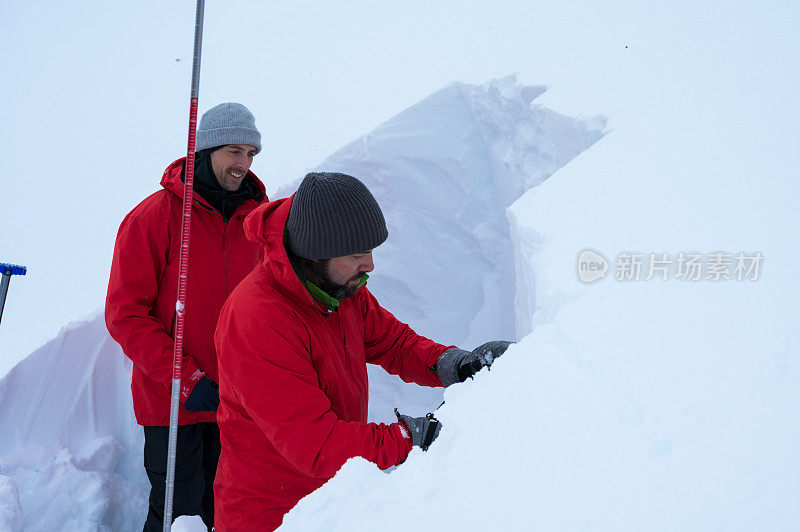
10, 509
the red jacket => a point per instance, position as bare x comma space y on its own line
293, 384
143, 290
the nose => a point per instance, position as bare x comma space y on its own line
244, 160
366, 264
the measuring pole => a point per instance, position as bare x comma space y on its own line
6, 271
183, 267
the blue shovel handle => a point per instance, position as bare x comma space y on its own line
12, 269
6, 271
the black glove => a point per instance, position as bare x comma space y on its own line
204, 397
423, 430
456, 365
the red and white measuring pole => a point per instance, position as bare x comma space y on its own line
183, 269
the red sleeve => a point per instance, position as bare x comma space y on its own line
140, 258
268, 366
396, 347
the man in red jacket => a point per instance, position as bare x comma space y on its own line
293, 341
142, 291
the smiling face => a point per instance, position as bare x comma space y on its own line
231, 163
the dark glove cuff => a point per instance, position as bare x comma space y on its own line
448, 363
422, 430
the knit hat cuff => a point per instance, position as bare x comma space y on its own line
228, 135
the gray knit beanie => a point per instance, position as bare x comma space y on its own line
334, 215
227, 123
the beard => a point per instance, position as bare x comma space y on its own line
335, 290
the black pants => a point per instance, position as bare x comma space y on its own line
196, 466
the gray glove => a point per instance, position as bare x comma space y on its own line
456, 365
423, 429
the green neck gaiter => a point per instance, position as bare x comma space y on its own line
326, 299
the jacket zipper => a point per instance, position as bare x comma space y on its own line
347, 355
225, 254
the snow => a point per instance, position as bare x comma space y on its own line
10, 509
625, 405
188, 524
61, 491
70, 457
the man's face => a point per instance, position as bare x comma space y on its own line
231, 163
345, 273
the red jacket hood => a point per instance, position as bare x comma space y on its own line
171, 180
267, 222
266, 225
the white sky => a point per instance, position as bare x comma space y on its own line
94, 101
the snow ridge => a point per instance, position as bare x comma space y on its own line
444, 171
